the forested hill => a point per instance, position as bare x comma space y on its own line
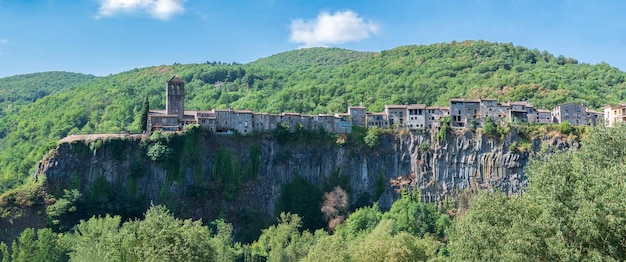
20, 90
314, 80
312, 57
30, 87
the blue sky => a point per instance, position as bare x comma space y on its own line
105, 37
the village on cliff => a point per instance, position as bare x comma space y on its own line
461, 112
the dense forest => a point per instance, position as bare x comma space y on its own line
568, 211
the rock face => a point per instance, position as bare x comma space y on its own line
261, 164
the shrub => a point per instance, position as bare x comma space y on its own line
159, 152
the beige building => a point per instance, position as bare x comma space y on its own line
614, 114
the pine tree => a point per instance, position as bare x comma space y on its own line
143, 124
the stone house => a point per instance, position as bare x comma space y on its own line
490, 108
416, 116
358, 115
543, 116
594, 117
464, 112
342, 124
377, 120
396, 115
160, 120
261, 122
325, 121
206, 119
574, 113
433, 116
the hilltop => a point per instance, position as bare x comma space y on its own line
315, 80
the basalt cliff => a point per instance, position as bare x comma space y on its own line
200, 174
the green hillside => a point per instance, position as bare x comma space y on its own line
17, 91
315, 80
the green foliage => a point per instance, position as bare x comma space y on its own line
282, 242
40, 245
29, 194
489, 128
364, 219
569, 211
372, 139
565, 127
254, 153
379, 185
159, 152
423, 147
63, 205
227, 174
145, 109
442, 134
302, 198
412, 216
159, 237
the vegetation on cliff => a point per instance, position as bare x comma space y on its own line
573, 209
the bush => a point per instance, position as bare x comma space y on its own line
565, 127
159, 152
372, 137
490, 129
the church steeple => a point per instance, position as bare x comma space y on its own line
175, 92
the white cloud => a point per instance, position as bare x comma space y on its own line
4, 40
159, 9
337, 28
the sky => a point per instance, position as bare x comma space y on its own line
103, 37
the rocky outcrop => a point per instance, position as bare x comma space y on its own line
194, 176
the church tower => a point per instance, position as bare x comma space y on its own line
175, 92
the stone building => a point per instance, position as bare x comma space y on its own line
358, 115
434, 114
396, 115
416, 116
543, 116
574, 113
594, 118
464, 112
377, 120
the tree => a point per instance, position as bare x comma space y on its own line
572, 209
335, 207
364, 219
489, 128
410, 214
283, 242
159, 237
145, 110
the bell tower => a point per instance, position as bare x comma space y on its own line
175, 92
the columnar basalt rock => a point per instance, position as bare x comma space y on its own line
407, 160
